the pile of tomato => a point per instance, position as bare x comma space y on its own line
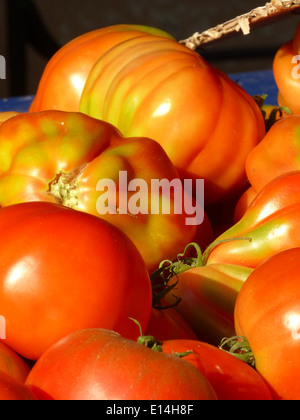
111, 289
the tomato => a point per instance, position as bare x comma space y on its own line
62, 270
64, 77
231, 378
7, 115
12, 364
96, 364
156, 87
168, 324
267, 315
270, 225
243, 203
286, 72
276, 154
207, 298
86, 164
13, 390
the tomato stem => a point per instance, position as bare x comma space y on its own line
240, 348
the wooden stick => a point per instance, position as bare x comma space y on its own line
272, 11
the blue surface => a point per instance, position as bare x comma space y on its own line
255, 83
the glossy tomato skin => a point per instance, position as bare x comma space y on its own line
71, 159
276, 154
286, 73
12, 364
270, 225
267, 314
101, 365
156, 87
65, 75
13, 390
62, 270
231, 378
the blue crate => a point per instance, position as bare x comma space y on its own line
255, 83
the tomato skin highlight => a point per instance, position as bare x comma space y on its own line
70, 270
101, 365
231, 378
267, 314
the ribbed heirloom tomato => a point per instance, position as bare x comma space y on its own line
65, 75
62, 270
148, 84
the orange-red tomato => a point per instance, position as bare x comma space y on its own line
276, 154
267, 315
62, 270
231, 378
12, 364
65, 75
98, 364
287, 73
13, 390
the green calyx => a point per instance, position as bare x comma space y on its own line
151, 343
167, 269
239, 347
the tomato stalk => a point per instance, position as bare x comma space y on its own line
240, 348
64, 187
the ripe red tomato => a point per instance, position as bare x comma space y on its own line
231, 378
62, 270
96, 364
12, 364
267, 314
13, 390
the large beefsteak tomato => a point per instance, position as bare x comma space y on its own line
155, 87
267, 314
62, 270
65, 75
